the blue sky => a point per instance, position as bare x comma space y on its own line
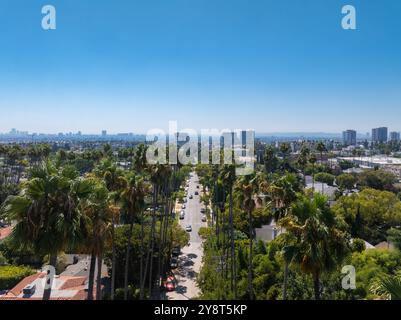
132, 65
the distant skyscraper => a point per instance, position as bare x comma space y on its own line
104, 133
380, 134
349, 137
394, 136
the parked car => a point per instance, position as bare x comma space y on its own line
188, 228
183, 206
173, 263
196, 193
197, 187
182, 215
204, 219
169, 284
191, 196
203, 210
176, 251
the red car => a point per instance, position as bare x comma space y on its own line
169, 284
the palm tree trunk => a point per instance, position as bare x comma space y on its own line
285, 282
99, 277
316, 286
113, 260
91, 276
233, 259
49, 281
127, 256
141, 277
250, 269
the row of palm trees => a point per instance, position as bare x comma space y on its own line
314, 237
58, 210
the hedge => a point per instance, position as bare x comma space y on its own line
12, 275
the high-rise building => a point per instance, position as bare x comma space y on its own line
104, 133
349, 137
380, 134
394, 136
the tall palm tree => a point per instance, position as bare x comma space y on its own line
322, 244
99, 219
247, 188
228, 177
47, 212
115, 183
321, 147
312, 161
134, 203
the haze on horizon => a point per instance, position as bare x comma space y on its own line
129, 66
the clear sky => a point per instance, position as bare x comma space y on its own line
132, 65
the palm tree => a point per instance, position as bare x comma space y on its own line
247, 188
321, 147
134, 203
312, 161
388, 287
115, 183
322, 245
99, 217
47, 212
228, 177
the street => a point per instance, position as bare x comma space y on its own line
190, 259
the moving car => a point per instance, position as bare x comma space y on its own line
188, 228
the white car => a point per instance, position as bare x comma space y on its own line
188, 228
204, 219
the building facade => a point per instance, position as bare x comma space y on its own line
394, 136
380, 134
349, 137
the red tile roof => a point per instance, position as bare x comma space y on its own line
5, 232
16, 291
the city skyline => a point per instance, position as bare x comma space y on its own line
273, 67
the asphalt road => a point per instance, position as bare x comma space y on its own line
190, 259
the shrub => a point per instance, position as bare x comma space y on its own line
11, 275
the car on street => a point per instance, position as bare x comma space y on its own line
173, 263
197, 187
203, 210
188, 228
183, 206
204, 219
182, 215
169, 284
191, 196
176, 251
196, 193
